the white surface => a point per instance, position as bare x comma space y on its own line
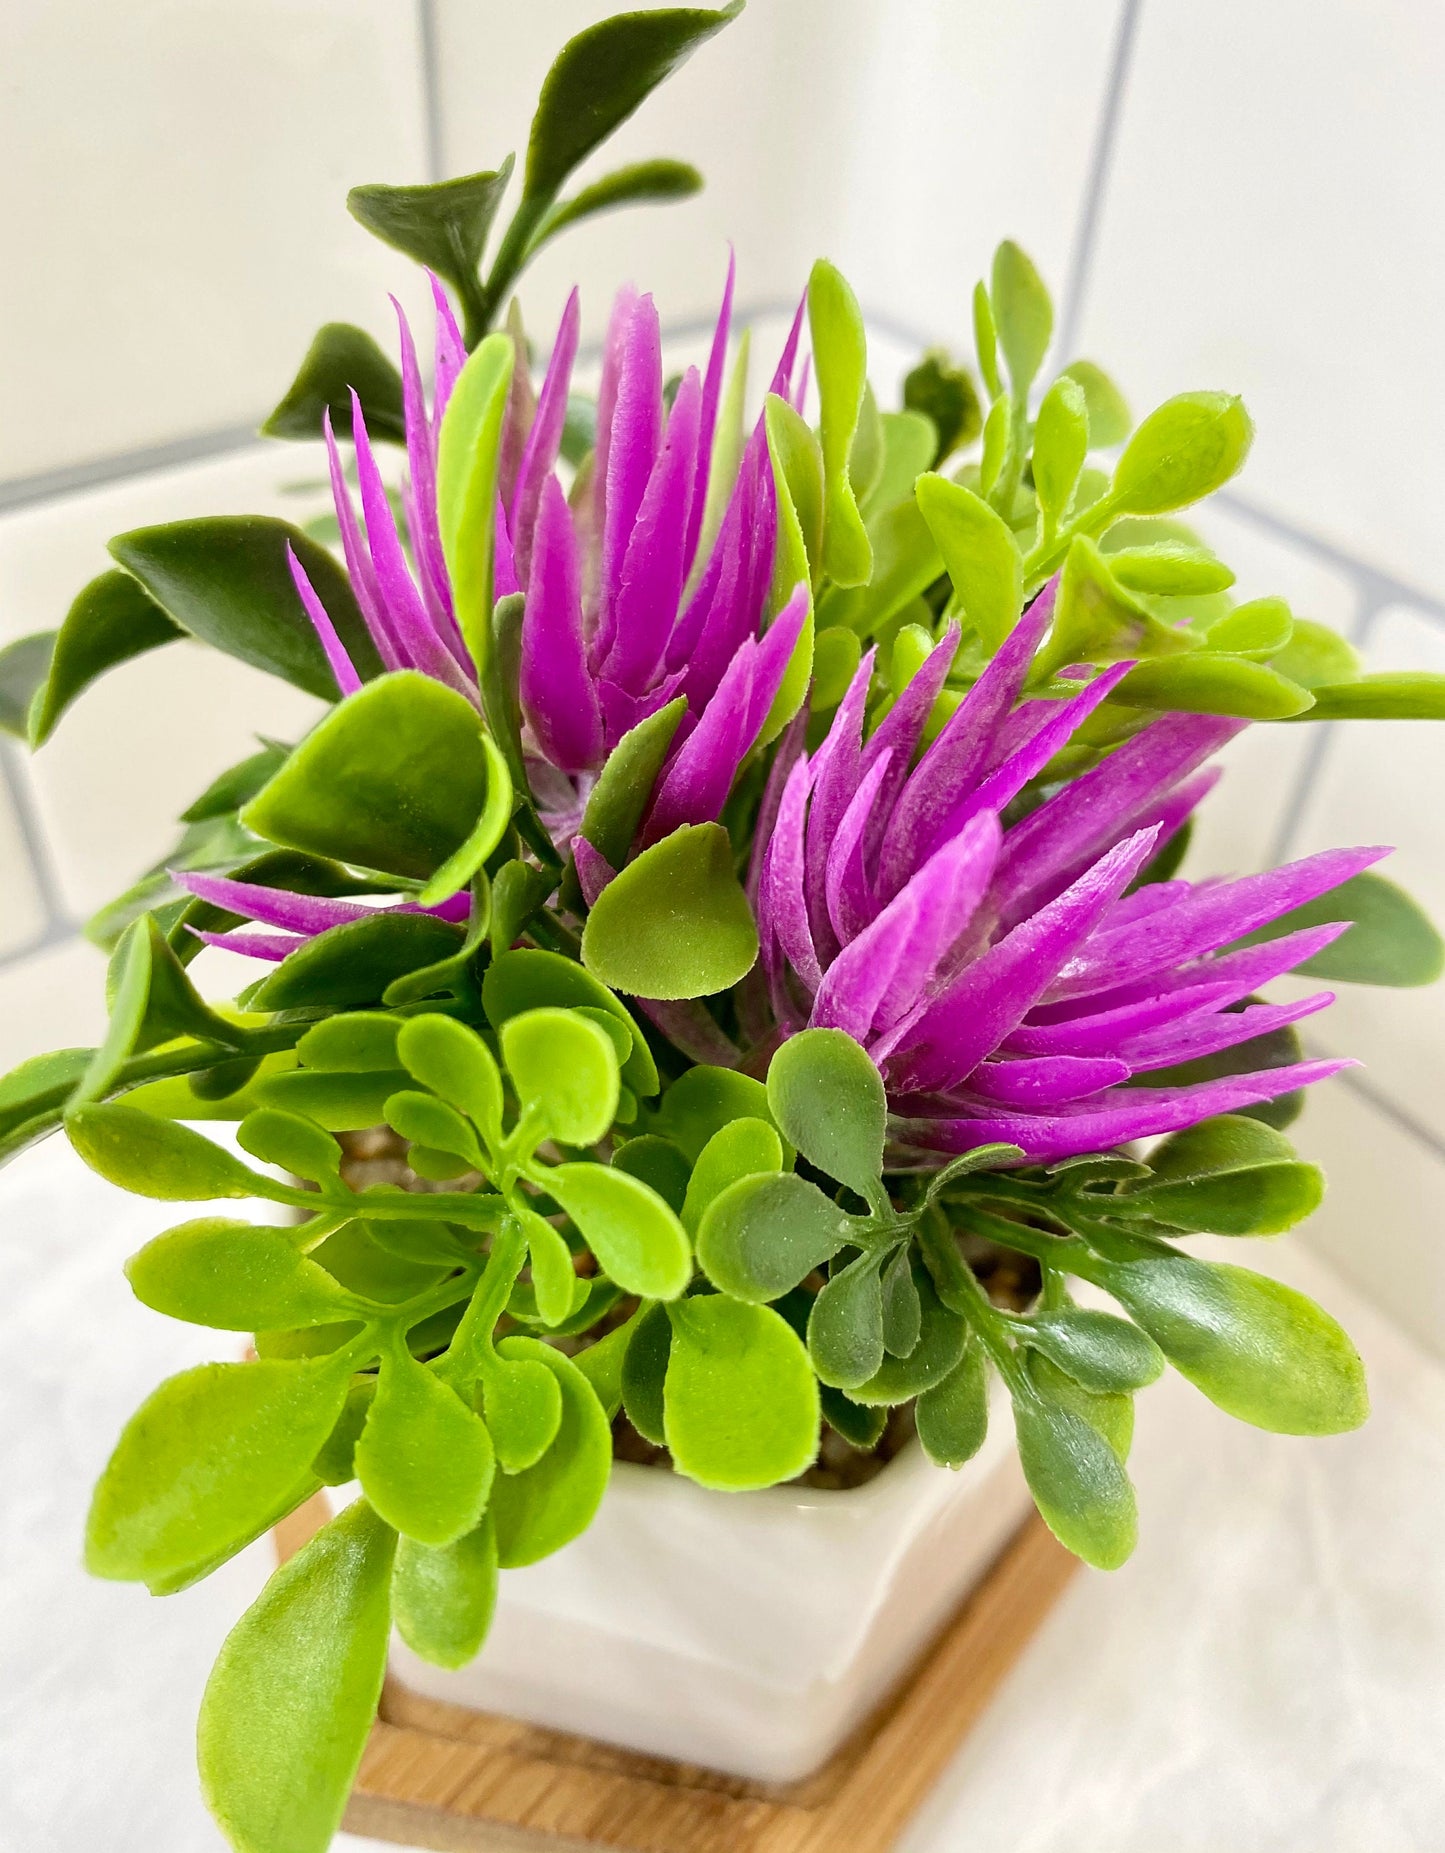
1266, 1676
674, 1625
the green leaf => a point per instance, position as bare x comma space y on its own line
156, 1158
335, 1464
624, 785
1182, 452
565, 1072
204, 1461
341, 359
942, 392
845, 1328
394, 779
424, 1459
1109, 414
906, 561
952, 1417
939, 1348
24, 670
1061, 442
840, 356
1169, 569
703, 1100
361, 1041
291, 1141
637, 1239
554, 1279
1258, 1349
467, 451
443, 1595
741, 1402
763, 1235
355, 963
38, 1088
836, 654
1316, 656
828, 1100
1077, 1480
1023, 314
224, 579
798, 473
1111, 1413
1097, 621
443, 226
1391, 941
1259, 629
235, 1276
745, 1149
518, 890
1228, 1142
902, 1308
675, 923
600, 77
644, 1373
289, 1704
985, 338
910, 445
1095, 1349
112, 620
455, 1063
424, 1120
1277, 1048
1260, 1199
229, 790
1405, 695
526, 978
638, 182
523, 1404
339, 1102
980, 553
861, 1428
660, 1164
486, 833
1203, 683
540, 1510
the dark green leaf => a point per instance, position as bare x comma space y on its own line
845, 1329
940, 1346
204, 1460
1095, 1349
355, 963
1391, 940
290, 1702
640, 181
952, 1417
111, 621
763, 1235
644, 1371
675, 923
225, 580
1262, 1199
600, 77
341, 359
444, 1595
861, 1428
944, 393
660, 1164
828, 1100
1258, 1349
424, 1459
233, 787
24, 670
704, 1100
540, 1510
740, 1402
443, 226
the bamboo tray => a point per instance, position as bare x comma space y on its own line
438, 1776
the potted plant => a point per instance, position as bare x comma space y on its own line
735, 1005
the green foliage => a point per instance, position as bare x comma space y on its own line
1061, 442
425, 1461
537, 1511
746, 1148
840, 356
1109, 416
237, 1276
24, 671
676, 922
467, 453
1023, 315
740, 1400
1181, 453
634, 1235
112, 620
1390, 940
1401, 695
1077, 1479
828, 1100
564, 1068
762, 1235
845, 1327
443, 226
443, 1595
527, 979
616, 803
980, 553
292, 1696
952, 1416
156, 1158
941, 1336
943, 393
341, 360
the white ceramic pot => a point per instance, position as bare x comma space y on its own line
747, 1632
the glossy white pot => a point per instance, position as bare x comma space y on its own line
746, 1632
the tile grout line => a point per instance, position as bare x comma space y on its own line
16, 779
1096, 184
429, 44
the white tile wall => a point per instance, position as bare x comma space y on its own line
1267, 222
173, 217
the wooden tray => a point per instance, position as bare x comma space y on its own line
439, 1776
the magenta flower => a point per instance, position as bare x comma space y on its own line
1005, 978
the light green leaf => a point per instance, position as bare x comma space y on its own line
827, 1098
703, 1100
455, 1063
424, 1120
444, 1595
624, 786
1170, 569
363, 1041
554, 1279
741, 1402
467, 451
565, 1072
288, 1140
1182, 452
1259, 630
1077, 1480
676, 922
840, 356
1095, 1349
1109, 414
1061, 442
235, 1276
156, 1158
1404, 695
952, 1417
424, 1459
746, 1148
1203, 683
290, 1702
1023, 313
980, 553
637, 1239
540, 1510
527, 978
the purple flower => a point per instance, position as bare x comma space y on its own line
1007, 979
621, 614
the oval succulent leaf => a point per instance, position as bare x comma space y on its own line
425, 1460
443, 1596
538, 1511
952, 1417
523, 1405
291, 1141
564, 1068
157, 1158
845, 1327
744, 1149
941, 1340
1182, 452
1095, 1349
1077, 1480
236, 1277
644, 1372
455, 1063
828, 1100
763, 1235
741, 1401
637, 1239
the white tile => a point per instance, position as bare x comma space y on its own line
1272, 227
901, 138
22, 911
1383, 1219
147, 738
1380, 783
174, 221
52, 1000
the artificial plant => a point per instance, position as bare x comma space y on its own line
741, 862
